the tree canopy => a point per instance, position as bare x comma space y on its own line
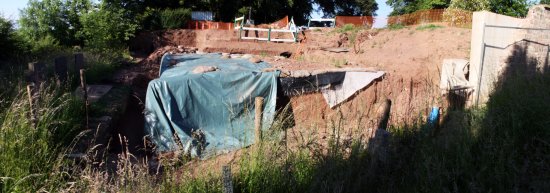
516, 8
331, 8
408, 6
59, 19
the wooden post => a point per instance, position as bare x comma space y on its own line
259, 108
31, 105
85, 92
269, 35
240, 32
383, 123
227, 179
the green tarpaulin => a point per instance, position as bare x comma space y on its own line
211, 112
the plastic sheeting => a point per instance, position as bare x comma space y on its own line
453, 75
211, 112
353, 82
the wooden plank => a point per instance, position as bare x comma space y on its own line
305, 73
255, 29
282, 40
253, 38
282, 30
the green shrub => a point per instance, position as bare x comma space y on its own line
348, 28
396, 26
105, 30
175, 18
428, 27
11, 44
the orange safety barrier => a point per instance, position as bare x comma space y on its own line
355, 20
423, 16
282, 23
202, 25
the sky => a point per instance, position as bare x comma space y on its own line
10, 9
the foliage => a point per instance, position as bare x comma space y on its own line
516, 8
401, 7
470, 5
105, 30
547, 2
11, 42
397, 26
260, 11
348, 7
58, 19
458, 17
428, 27
175, 18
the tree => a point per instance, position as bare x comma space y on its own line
516, 8
332, 8
6, 39
105, 29
470, 5
408, 6
547, 2
59, 19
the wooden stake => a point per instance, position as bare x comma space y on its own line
227, 179
385, 117
85, 92
258, 118
32, 113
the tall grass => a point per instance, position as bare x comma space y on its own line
502, 147
32, 157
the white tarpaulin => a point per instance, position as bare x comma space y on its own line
353, 82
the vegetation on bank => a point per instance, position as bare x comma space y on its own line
514, 8
503, 146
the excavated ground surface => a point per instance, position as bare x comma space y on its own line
411, 59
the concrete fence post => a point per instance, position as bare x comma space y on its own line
61, 69
36, 70
78, 62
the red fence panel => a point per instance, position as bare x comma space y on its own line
355, 20
203, 25
423, 16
